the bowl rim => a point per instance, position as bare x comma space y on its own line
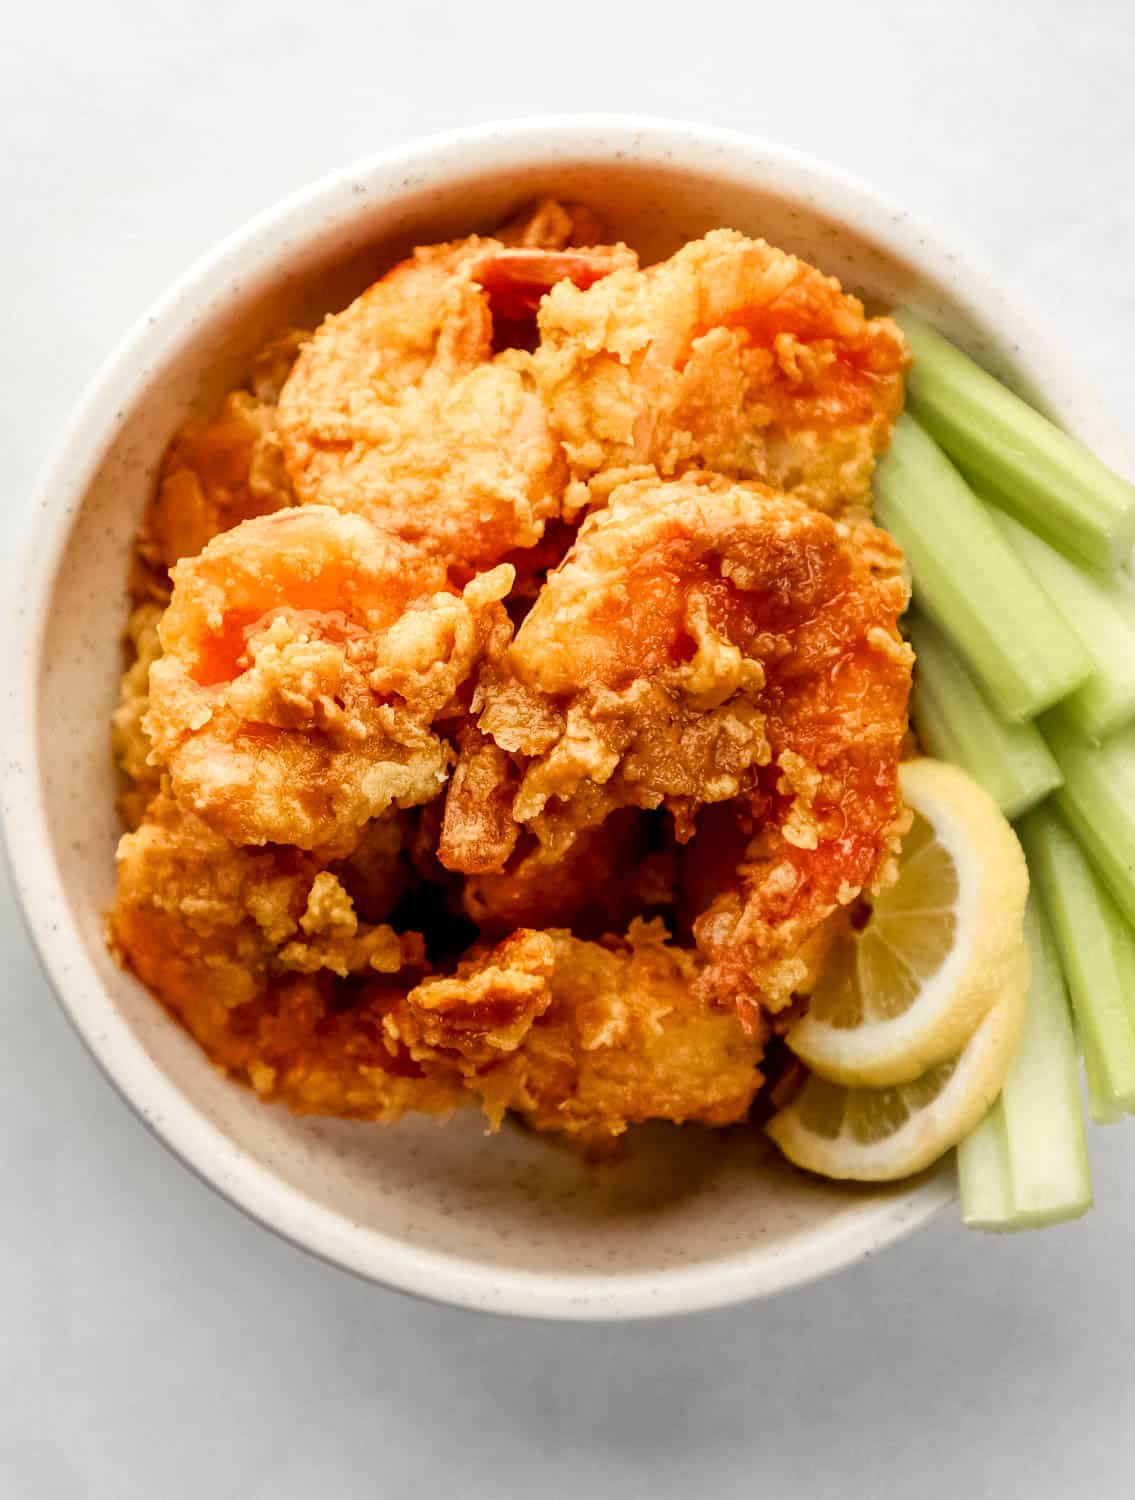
80, 448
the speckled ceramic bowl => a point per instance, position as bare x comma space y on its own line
687, 1219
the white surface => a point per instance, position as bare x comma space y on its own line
153, 1342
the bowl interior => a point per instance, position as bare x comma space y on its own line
685, 1217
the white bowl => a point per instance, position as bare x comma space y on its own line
689, 1219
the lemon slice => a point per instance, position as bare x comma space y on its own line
880, 1135
909, 989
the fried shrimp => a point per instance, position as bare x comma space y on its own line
220, 469
822, 830
399, 410
548, 224
582, 1039
130, 744
514, 697
610, 874
246, 947
713, 643
731, 356
306, 656
632, 681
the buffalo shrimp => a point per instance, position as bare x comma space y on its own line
306, 656
399, 410
731, 356
705, 644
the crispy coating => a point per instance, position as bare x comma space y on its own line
609, 875
731, 356
827, 816
130, 744
305, 657
399, 411
349, 752
246, 947
709, 643
548, 224
583, 1039
635, 678
478, 832
378, 871
220, 469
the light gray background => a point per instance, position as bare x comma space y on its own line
155, 1344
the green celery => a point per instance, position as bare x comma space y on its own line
1100, 609
1044, 1119
1104, 1112
955, 722
1089, 934
1123, 937
1047, 479
1026, 1164
970, 582
983, 1175
1098, 801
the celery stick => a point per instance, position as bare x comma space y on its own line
955, 722
1085, 922
1044, 1119
1046, 478
1026, 1164
1100, 609
1097, 801
969, 581
983, 1175
1124, 940
1104, 1112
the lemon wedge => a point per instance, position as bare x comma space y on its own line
880, 1135
938, 949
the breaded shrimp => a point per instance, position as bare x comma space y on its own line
629, 682
548, 224
582, 1039
712, 643
130, 744
248, 948
676, 698
378, 872
306, 656
731, 356
399, 411
609, 875
219, 469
